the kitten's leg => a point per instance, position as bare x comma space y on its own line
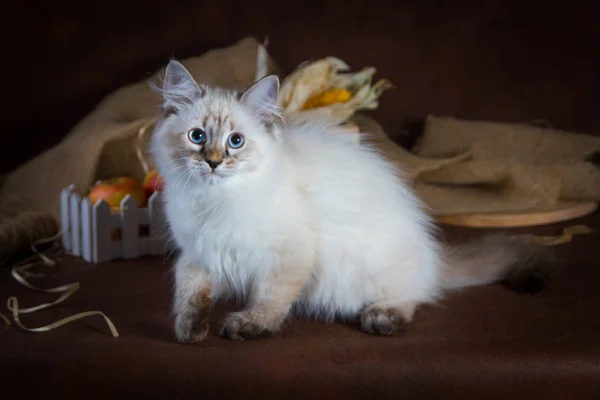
386, 317
268, 307
191, 303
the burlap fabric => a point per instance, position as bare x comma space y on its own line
506, 167
458, 166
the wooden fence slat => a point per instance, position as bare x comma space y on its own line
75, 225
102, 230
65, 217
129, 228
87, 230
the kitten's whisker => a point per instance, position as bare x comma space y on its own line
171, 162
183, 178
189, 178
174, 169
174, 160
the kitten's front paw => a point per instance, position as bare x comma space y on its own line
191, 328
383, 321
238, 326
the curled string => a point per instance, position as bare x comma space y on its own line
21, 271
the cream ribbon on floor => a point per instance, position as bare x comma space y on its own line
21, 271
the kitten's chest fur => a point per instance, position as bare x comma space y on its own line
206, 225
238, 233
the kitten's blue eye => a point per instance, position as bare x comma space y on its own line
197, 136
235, 141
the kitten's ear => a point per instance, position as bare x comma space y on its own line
263, 97
179, 88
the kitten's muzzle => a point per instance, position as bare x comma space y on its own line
213, 163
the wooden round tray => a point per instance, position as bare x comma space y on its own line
566, 212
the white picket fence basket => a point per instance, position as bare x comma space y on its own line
88, 229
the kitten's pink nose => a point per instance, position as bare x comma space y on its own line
213, 163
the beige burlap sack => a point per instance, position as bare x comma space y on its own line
510, 167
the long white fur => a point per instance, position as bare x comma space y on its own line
308, 202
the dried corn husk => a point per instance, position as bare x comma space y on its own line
307, 80
326, 98
325, 88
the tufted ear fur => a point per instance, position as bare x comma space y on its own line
179, 88
262, 99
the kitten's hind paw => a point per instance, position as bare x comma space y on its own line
238, 326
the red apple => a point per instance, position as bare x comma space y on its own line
114, 190
152, 183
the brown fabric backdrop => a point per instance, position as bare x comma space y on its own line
503, 61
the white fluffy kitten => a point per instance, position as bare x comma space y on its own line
297, 218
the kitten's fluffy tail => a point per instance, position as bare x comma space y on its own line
523, 266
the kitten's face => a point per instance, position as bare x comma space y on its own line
214, 135
215, 139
